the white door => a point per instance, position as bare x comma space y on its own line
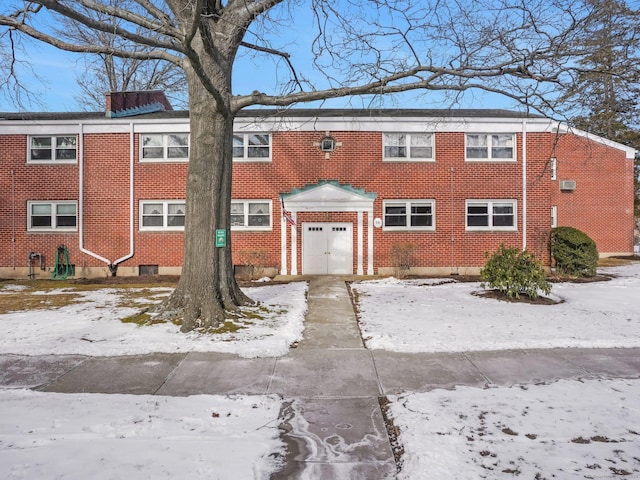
327, 248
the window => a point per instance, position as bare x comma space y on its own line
162, 215
252, 147
408, 146
490, 146
409, 214
52, 216
47, 149
171, 147
250, 214
491, 215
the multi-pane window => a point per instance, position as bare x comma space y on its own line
252, 146
59, 215
409, 214
250, 214
162, 215
497, 146
62, 149
491, 215
408, 146
170, 146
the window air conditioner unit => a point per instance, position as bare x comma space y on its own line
567, 185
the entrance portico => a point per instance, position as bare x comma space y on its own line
325, 246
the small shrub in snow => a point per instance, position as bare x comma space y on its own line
514, 273
574, 252
402, 258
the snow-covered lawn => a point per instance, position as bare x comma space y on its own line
566, 430
95, 436
93, 326
436, 315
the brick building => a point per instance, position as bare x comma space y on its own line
364, 191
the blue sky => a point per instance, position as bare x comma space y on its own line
56, 88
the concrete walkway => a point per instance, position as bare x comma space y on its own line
331, 384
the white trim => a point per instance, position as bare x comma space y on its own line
554, 216
490, 204
165, 148
408, 203
53, 228
360, 259
52, 149
165, 216
408, 147
489, 158
252, 228
245, 145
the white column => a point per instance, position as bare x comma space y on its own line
294, 244
370, 242
283, 245
360, 270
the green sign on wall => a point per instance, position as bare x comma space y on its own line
221, 238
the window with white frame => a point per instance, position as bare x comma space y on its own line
162, 214
49, 149
250, 214
491, 215
409, 214
254, 147
492, 146
164, 147
408, 146
52, 216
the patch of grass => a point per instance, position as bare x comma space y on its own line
142, 319
21, 301
227, 327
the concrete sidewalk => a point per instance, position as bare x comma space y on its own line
332, 422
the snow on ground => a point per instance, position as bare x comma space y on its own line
92, 326
443, 316
566, 430
135, 437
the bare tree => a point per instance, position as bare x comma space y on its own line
522, 49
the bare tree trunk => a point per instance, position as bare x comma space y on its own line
207, 290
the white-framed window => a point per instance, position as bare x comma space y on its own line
490, 146
250, 214
408, 147
162, 214
158, 147
53, 149
554, 168
409, 215
554, 216
252, 147
491, 215
52, 216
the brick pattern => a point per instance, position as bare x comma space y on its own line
601, 205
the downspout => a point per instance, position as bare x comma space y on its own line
131, 239
524, 185
113, 266
13, 219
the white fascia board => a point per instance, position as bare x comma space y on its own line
390, 124
565, 129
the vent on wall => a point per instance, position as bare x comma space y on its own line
567, 185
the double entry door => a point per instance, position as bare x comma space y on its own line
327, 248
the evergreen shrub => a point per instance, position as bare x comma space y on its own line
514, 273
574, 252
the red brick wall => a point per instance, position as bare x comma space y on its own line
602, 203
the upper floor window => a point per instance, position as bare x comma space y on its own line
159, 147
250, 214
252, 147
491, 215
52, 216
59, 149
496, 146
408, 146
162, 215
409, 214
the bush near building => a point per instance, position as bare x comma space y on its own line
574, 252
